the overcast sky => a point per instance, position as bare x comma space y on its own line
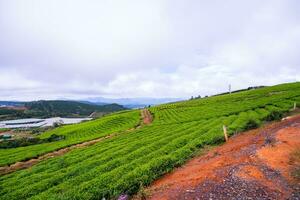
52, 49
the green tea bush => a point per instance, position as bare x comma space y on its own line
69, 135
126, 163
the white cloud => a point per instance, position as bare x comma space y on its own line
55, 49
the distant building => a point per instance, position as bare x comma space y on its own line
5, 136
22, 123
34, 123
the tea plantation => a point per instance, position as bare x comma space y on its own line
133, 159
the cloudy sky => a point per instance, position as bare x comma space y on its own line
51, 49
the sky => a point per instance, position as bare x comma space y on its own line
77, 49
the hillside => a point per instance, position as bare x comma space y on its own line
125, 162
44, 109
267, 158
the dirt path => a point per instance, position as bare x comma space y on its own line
31, 162
254, 165
146, 119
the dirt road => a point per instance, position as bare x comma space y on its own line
254, 165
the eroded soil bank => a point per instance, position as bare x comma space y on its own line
258, 164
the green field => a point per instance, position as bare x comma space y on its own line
124, 163
76, 133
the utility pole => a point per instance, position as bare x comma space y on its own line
229, 87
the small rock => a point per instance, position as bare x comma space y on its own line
190, 191
123, 197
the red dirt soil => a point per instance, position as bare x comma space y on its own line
22, 108
252, 165
147, 117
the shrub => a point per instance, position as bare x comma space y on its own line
274, 115
251, 124
22, 142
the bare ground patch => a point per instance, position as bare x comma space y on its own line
258, 164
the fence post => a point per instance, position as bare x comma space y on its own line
225, 133
295, 105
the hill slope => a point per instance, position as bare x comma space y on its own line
44, 109
131, 160
73, 134
267, 158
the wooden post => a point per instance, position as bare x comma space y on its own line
225, 133
295, 105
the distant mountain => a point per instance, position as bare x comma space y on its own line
132, 102
93, 103
54, 108
11, 103
135, 106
